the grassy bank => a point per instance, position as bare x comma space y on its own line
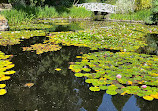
139, 15
26, 14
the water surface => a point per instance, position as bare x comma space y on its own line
58, 90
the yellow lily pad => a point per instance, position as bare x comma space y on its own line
149, 98
3, 91
57, 69
2, 85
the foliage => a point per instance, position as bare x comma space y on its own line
153, 17
27, 2
14, 37
138, 15
65, 3
125, 6
17, 17
31, 26
47, 12
2, 17
115, 36
21, 15
112, 2
5, 65
121, 72
129, 39
143, 4
40, 48
79, 12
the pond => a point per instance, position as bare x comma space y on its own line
54, 86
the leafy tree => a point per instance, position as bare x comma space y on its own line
143, 4
125, 6
153, 18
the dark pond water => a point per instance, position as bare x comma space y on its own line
58, 90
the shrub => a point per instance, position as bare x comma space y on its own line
153, 18
125, 6
79, 12
143, 4
17, 16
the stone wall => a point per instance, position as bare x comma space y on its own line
4, 25
3, 22
5, 6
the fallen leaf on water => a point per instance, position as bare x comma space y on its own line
29, 85
57, 69
2, 91
2, 85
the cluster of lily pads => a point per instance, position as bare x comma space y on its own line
121, 72
40, 48
124, 72
118, 37
15, 37
5, 65
30, 26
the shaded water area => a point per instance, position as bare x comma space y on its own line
58, 90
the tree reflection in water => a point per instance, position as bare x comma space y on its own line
53, 90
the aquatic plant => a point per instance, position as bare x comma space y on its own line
121, 72
118, 37
30, 26
5, 65
14, 37
40, 48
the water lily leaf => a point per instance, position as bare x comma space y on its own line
111, 92
57, 69
103, 87
86, 69
3, 91
79, 75
9, 72
154, 96
2, 85
149, 98
94, 88
3, 78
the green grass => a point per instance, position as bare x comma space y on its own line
79, 12
21, 14
16, 17
139, 15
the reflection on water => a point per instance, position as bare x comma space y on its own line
58, 90
152, 48
107, 104
131, 103
52, 90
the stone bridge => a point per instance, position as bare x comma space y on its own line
99, 7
